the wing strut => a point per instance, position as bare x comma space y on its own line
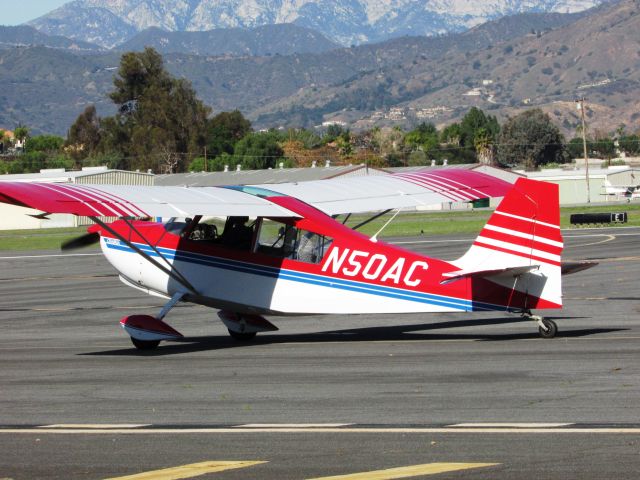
368, 220
172, 272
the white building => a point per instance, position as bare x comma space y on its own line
17, 218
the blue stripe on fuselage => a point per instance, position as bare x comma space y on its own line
303, 277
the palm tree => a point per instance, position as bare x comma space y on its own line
483, 142
21, 133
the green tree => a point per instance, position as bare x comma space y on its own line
224, 131
451, 134
4, 141
138, 71
575, 148
84, 135
425, 138
531, 139
417, 158
603, 147
258, 151
630, 144
333, 132
472, 122
60, 161
44, 143
484, 146
160, 121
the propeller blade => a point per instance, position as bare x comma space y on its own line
81, 241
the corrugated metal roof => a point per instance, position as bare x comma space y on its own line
257, 177
557, 174
97, 175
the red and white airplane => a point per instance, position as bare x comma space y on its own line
283, 252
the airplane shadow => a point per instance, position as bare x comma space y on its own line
365, 334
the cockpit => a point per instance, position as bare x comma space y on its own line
272, 237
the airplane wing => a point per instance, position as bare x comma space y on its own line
400, 190
333, 196
137, 201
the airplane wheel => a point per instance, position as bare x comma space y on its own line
145, 344
551, 331
242, 336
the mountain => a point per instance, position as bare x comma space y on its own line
112, 22
25, 36
502, 67
281, 39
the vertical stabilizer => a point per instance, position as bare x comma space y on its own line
524, 231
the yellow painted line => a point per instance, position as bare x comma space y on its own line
188, 471
407, 472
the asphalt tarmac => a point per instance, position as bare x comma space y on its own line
473, 396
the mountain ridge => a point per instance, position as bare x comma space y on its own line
281, 39
112, 22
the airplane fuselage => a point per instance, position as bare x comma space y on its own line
353, 275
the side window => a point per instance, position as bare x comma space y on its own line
286, 241
311, 247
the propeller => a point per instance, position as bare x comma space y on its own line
81, 241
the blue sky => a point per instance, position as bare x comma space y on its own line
15, 12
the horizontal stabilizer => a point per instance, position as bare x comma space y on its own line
508, 271
573, 267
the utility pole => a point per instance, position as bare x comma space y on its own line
580, 103
205, 159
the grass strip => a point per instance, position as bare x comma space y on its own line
466, 222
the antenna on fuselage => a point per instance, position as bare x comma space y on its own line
375, 236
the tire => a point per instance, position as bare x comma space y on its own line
242, 336
145, 344
552, 328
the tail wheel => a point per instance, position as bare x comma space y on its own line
242, 336
549, 330
145, 344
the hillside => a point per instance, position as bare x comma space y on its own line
25, 36
596, 56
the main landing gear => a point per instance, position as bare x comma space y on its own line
244, 327
147, 332
546, 328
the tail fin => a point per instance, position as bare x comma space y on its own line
519, 248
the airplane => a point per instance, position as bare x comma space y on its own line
621, 191
284, 250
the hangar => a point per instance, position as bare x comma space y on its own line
16, 218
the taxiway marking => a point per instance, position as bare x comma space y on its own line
294, 425
222, 430
410, 471
95, 425
51, 255
189, 471
511, 425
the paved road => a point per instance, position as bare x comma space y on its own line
393, 386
